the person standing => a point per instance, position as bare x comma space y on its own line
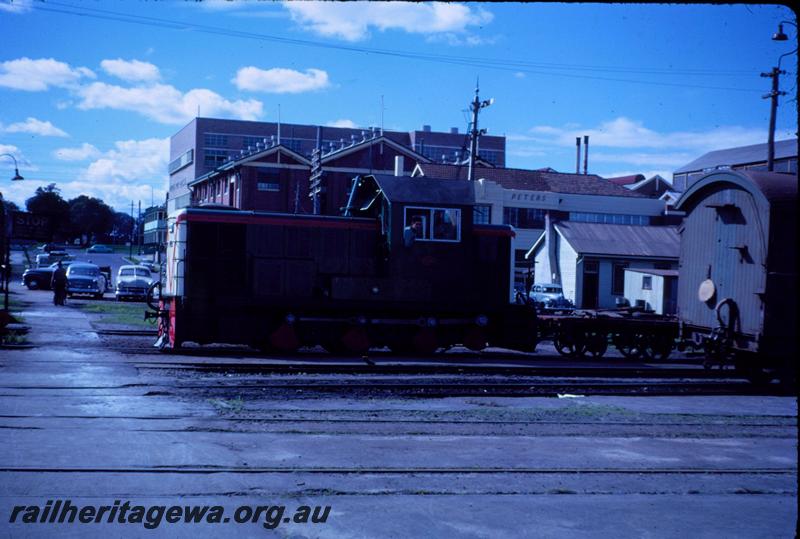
59, 284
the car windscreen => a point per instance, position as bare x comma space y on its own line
552, 289
82, 270
141, 272
126, 272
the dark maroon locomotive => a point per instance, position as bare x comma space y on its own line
405, 267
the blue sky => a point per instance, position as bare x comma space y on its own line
90, 92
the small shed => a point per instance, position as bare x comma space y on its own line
589, 259
654, 289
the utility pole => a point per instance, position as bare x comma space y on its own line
475, 106
130, 239
773, 96
139, 232
775, 93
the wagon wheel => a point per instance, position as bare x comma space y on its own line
657, 347
596, 343
569, 343
629, 345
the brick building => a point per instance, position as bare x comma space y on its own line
208, 144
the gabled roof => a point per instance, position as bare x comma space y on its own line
626, 180
360, 145
530, 180
743, 155
254, 156
620, 240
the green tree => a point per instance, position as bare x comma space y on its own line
48, 201
123, 227
90, 218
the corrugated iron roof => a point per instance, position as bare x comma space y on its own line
532, 180
425, 190
621, 240
742, 155
653, 271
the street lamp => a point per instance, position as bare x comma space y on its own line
775, 93
6, 252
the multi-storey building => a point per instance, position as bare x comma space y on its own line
207, 144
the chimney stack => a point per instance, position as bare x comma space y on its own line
585, 153
578, 158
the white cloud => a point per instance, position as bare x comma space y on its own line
279, 80
39, 75
131, 160
672, 159
15, 6
131, 70
352, 20
34, 127
82, 153
166, 104
342, 123
626, 133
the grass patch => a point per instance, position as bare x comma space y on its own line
131, 314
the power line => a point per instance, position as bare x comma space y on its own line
536, 68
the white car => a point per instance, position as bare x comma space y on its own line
133, 282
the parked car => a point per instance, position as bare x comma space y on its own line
39, 278
549, 295
133, 282
98, 248
50, 247
46, 259
152, 266
83, 278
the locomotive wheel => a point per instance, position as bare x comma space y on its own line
475, 339
596, 344
355, 340
425, 342
629, 345
285, 339
569, 343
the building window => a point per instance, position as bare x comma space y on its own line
253, 141
482, 214
268, 186
491, 156
609, 218
214, 158
216, 141
618, 279
182, 161
647, 282
437, 224
523, 217
591, 266
296, 145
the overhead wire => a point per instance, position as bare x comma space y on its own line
537, 68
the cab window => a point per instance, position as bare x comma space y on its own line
434, 224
